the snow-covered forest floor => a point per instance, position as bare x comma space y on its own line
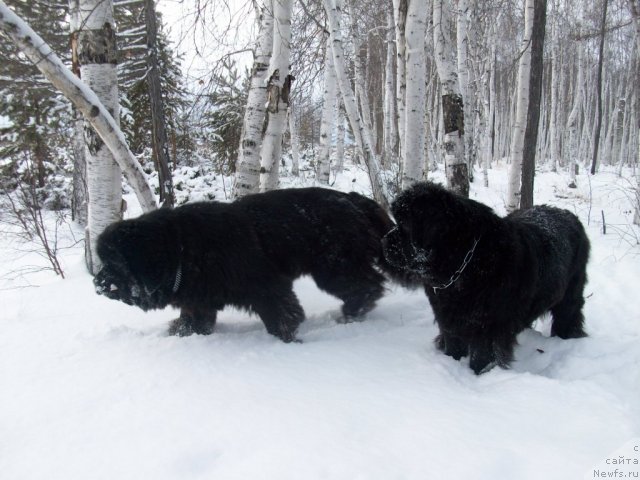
94, 389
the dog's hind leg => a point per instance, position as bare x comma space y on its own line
568, 321
359, 290
201, 322
279, 310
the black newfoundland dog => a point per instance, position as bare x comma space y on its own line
488, 278
202, 256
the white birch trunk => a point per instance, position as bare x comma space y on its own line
389, 114
517, 140
247, 177
99, 71
462, 44
400, 16
328, 116
278, 90
452, 105
573, 151
414, 143
362, 135
555, 87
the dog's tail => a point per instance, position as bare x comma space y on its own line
381, 224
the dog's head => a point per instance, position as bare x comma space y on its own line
140, 260
429, 223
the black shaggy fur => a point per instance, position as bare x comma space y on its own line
203, 256
488, 278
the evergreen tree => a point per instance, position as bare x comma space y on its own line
225, 113
136, 111
34, 116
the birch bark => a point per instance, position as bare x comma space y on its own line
328, 116
573, 151
247, 177
278, 92
362, 135
456, 168
522, 105
413, 153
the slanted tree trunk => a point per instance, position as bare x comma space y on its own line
362, 135
278, 92
533, 110
159, 142
328, 116
452, 106
414, 143
247, 179
598, 127
522, 106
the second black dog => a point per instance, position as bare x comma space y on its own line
488, 278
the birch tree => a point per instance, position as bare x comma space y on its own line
330, 101
390, 130
452, 105
278, 92
533, 110
247, 179
413, 153
522, 105
598, 126
400, 8
361, 133
573, 132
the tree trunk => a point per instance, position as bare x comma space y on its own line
533, 110
159, 142
598, 127
400, 16
414, 142
362, 135
328, 116
452, 106
462, 44
573, 150
278, 93
98, 68
390, 134
247, 178
522, 107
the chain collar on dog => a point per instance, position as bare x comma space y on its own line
457, 273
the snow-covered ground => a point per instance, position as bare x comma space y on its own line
94, 389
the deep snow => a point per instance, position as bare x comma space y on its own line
95, 389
